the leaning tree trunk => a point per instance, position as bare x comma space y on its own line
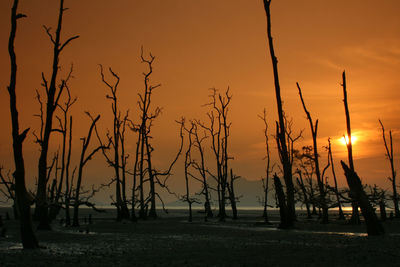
22, 200
374, 226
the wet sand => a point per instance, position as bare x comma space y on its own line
172, 241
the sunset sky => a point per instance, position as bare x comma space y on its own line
216, 43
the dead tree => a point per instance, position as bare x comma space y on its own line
201, 168
355, 217
268, 168
218, 130
143, 166
122, 208
82, 162
314, 131
374, 227
135, 173
389, 155
281, 132
63, 126
124, 160
68, 183
188, 162
23, 201
303, 189
53, 94
330, 158
161, 177
143, 144
306, 167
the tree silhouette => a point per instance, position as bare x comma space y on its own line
355, 217
23, 201
143, 143
336, 190
374, 227
314, 131
118, 161
389, 155
143, 165
82, 162
232, 196
306, 168
68, 182
268, 168
187, 164
305, 198
65, 159
219, 131
201, 169
53, 94
281, 132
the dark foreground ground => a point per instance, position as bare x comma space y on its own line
172, 241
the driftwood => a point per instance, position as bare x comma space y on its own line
374, 227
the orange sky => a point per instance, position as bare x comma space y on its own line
208, 43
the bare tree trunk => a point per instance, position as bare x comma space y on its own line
389, 154
28, 237
202, 170
286, 221
341, 214
374, 227
355, 217
232, 197
265, 204
300, 182
281, 134
134, 186
63, 124
124, 157
218, 119
152, 212
188, 163
268, 167
67, 182
83, 160
142, 210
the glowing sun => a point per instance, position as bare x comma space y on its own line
345, 139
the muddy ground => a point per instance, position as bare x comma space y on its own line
172, 241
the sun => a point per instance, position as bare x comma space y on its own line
345, 139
